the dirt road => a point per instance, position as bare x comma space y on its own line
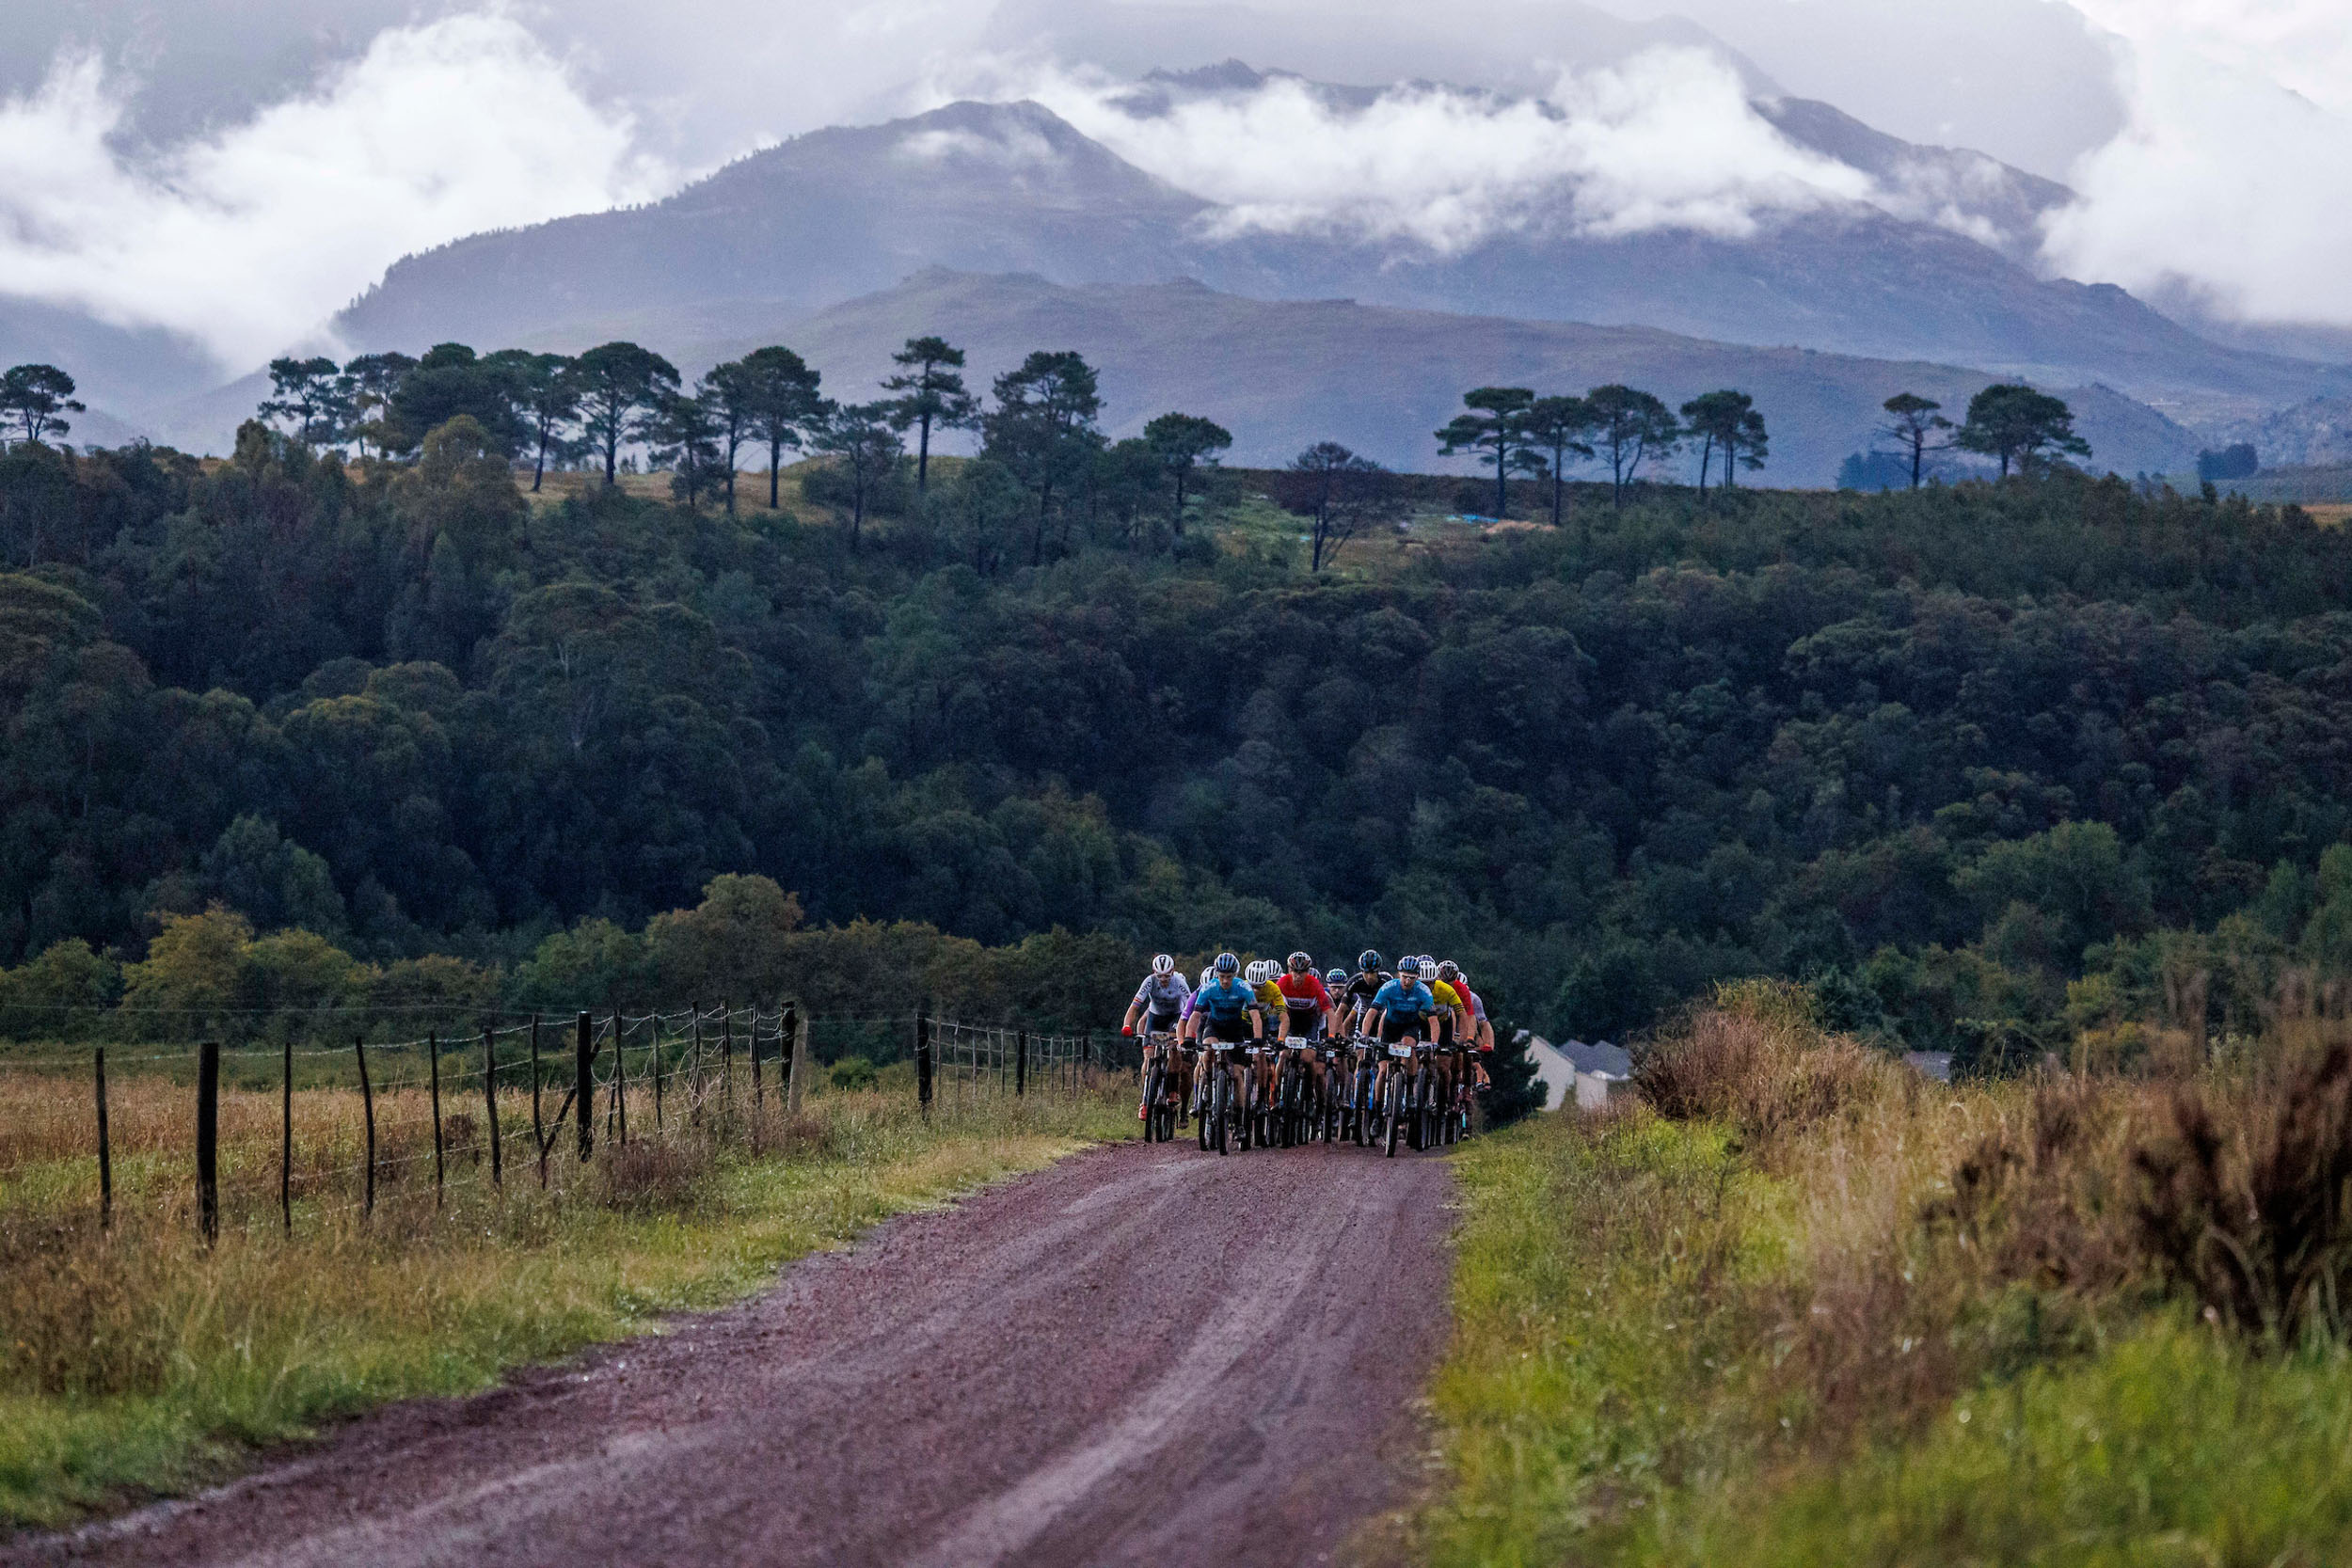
1141, 1355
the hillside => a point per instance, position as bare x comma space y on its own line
838, 213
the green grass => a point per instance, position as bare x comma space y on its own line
1621, 1391
138, 1364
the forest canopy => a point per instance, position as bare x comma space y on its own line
1987, 761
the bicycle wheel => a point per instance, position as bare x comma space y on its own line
1393, 1112
1212, 1125
1154, 1084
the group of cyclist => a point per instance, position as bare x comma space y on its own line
1277, 1054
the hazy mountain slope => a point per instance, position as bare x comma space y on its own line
126, 372
1281, 374
1011, 188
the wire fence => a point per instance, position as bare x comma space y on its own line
321, 1129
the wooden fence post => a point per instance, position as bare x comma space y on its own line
538, 1130
285, 1140
726, 1053
208, 1140
105, 1153
367, 1108
1021, 1065
923, 1059
695, 1048
800, 1058
584, 1093
653, 1028
490, 1101
433, 1051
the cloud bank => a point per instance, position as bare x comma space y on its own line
248, 239
1667, 140
2231, 183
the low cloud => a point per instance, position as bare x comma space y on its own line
1667, 140
247, 238
2231, 183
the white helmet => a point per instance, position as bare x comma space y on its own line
1164, 964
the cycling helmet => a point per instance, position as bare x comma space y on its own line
1368, 961
1335, 977
1164, 965
1227, 964
1256, 972
1449, 970
1301, 964
1409, 968
1208, 973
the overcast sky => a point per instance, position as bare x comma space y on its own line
239, 170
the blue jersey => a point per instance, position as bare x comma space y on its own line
1399, 999
1225, 999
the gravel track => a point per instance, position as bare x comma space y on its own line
1143, 1355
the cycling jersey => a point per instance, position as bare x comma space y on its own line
1363, 988
1163, 996
1307, 1000
1225, 1000
1447, 996
1270, 996
1401, 999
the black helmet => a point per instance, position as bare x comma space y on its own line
1228, 964
1368, 961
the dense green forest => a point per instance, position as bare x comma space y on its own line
1997, 763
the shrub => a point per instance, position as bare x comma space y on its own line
853, 1072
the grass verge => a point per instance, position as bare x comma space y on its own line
135, 1363
1711, 1339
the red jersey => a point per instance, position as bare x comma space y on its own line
1303, 992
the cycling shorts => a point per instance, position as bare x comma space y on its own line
1233, 1029
1395, 1026
1160, 1023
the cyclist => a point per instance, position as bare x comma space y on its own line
1307, 1009
1159, 1004
1455, 1026
1405, 1013
1225, 1016
1356, 1002
1339, 1056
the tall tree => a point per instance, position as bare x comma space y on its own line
453, 380
2015, 424
546, 393
863, 439
1182, 442
685, 436
1556, 426
367, 386
622, 390
1338, 492
783, 404
1750, 444
1632, 427
1712, 419
1045, 429
932, 396
1496, 424
1916, 426
304, 391
36, 398
732, 392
